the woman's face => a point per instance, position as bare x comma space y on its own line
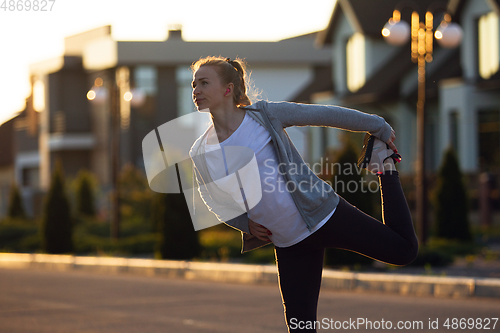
208, 91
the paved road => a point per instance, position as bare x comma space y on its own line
48, 301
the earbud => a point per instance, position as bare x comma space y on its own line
227, 92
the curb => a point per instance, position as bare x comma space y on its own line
450, 287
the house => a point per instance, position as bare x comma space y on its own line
469, 107
462, 88
69, 115
6, 163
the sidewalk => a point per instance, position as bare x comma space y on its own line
476, 268
403, 284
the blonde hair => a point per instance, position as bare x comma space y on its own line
230, 71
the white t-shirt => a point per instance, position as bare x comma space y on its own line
276, 210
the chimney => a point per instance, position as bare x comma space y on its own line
175, 32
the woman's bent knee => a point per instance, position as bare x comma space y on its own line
409, 255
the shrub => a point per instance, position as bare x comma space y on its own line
442, 251
135, 195
19, 235
432, 257
56, 226
262, 255
220, 243
93, 237
84, 185
138, 244
450, 201
178, 239
15, 209
345, 174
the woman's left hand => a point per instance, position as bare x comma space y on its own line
390, 142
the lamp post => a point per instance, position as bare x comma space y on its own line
448, 35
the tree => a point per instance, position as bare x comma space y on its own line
85, 193
15, 209
135, 194
450, 201
56, 226
349, 182
178, 239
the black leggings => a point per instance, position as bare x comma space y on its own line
300, 266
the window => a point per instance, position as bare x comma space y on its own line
488, 45
146, 79
355, 61
30, 177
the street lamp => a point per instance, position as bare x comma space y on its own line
448, 35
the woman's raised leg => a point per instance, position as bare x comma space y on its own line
393, 241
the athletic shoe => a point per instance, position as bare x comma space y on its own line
374, 153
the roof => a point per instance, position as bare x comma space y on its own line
74, 45
7, 146
369, 17
455, 7
55, 64
105, 52
97, 50
322, 81
385, 82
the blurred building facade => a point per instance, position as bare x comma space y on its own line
348, 64
65, 121
6, 163
462, 85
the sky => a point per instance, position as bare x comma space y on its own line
27, 37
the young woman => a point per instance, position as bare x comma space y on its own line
301, 221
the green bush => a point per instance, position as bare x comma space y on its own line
345, 176
178, 239
442, 251
432, 257
93, 237
15, 209
452, 247
450, 201
29, 244
19, 235
220, 243
262, 255
94, 227
135, 226
138, 245
135, 196
351, 183
84, 188
57, 225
